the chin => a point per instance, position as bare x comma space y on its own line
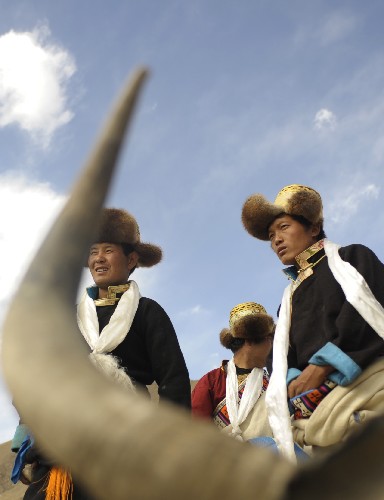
287, 261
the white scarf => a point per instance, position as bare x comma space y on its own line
276, 395
112, 334
355, 288
253, 387
359, 295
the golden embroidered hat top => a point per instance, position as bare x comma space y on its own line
258, 213
244, 309
248, 320
120, 227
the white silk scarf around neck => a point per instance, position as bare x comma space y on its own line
238, 412
112, 334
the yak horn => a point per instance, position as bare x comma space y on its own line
118, 445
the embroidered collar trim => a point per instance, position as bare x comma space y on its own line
113, 295
306, 260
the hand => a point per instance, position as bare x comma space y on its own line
310, 378
27, 472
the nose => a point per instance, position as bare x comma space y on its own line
278, 238
97, 257
100, 257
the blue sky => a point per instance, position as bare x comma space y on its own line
244, 97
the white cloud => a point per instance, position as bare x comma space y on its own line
34, 74
349, 201
337, 27
193, 311
325, 119
27, 210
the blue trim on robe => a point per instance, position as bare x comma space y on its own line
291, 272
346, 370
93, 292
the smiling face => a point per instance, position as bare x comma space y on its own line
110, 266
289, 238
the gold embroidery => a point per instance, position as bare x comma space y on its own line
305, 267
302, 258
111, 299
245, 309
242, 377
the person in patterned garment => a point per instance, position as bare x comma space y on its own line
328, 348
233, 395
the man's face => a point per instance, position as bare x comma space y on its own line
289, 238
109, 266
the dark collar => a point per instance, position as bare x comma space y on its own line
239, 371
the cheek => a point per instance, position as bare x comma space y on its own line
273, 246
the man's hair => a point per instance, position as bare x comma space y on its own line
127, 249
237, 343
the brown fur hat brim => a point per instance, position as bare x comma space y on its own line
253, 327
149, 255
307, 204
120, 227
258, 213
226, 338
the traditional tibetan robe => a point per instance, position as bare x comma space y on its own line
325, 327
327, 330
209, 401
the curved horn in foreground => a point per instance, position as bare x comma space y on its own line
120, 445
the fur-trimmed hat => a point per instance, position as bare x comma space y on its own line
247, 321
119, 226
258, 213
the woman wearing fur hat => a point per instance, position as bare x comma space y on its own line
328, 347
233, 395
131, 338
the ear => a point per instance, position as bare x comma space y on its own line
132, 260
315, 230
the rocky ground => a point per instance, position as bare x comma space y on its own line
8, 491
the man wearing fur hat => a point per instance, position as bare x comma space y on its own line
328, 348
131, 338
134, 330
233, 395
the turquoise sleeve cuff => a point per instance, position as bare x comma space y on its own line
292, 374
346, 370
